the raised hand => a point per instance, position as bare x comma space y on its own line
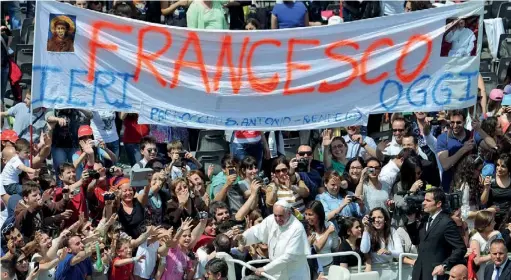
327, 137
186, 224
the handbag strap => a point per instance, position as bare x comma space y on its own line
25, 130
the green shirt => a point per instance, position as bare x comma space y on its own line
200, 17
338, 166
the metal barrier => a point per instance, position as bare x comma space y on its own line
400, 263
247, 265
316, 256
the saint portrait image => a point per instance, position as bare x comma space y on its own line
62, 33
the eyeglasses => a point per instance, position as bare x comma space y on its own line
458, 123
150, 150
283, 170
337, 147
398, 130
356, 167
305, 153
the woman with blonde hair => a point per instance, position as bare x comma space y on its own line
484, 224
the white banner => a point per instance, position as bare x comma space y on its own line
300, 78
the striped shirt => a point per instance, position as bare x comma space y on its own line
290, 196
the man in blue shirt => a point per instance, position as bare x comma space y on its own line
452, 146
77, 264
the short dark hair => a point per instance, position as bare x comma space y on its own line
64, 166
29, 187
457, 113
406, 153
415, 139
147, 140
216, 266
22, 145
228, 159
438, 195
254, 22
217, 205
222, 243
498, 241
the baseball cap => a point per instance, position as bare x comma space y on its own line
496, 94
9, 135
84, 130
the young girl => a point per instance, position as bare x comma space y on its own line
179, 265
123, 263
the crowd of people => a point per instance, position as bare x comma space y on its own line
439, 187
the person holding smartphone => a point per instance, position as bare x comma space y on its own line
337, 200
181, 161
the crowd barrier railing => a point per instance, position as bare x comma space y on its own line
400, 263
247, 265
316, 256
400, 266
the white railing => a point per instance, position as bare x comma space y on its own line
400, 263
247, 265
316, 256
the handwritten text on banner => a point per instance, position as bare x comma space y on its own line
299, 78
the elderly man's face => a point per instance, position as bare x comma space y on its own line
281, 215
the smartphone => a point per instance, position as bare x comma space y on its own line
36, 266
182, 154
232, 171
370, 170
65, 190
349, 197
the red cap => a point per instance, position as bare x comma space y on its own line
9, 135
84, 130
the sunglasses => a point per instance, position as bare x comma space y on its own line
305, 153
283, 170
397, 130
458, 123
375, 167
337, 147
150, 150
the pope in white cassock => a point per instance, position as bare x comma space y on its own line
287, 244
462, 40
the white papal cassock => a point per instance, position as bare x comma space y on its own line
287, 245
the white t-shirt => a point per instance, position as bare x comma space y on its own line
43, 274
11, 172
144, 268
103, 126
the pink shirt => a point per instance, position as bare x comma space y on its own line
177, 264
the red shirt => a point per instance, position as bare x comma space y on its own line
77, 203
121, 272
133, 131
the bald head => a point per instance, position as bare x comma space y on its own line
458, 272
8, 152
